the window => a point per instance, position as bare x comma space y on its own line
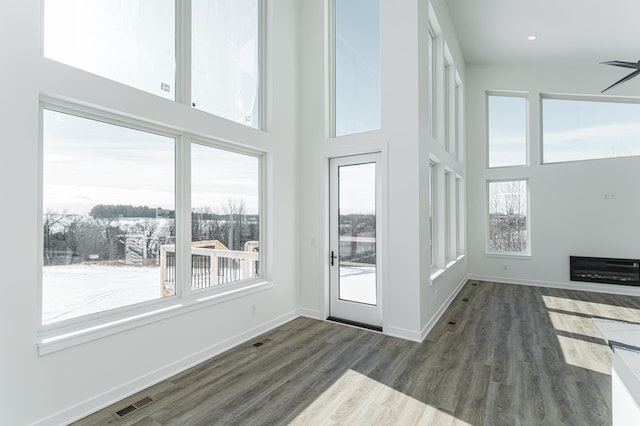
447, 105
447, 215
507, 130
225, 219
459, 217
357, 66
225, 59
432, 83
108, 209
109, 214
577, 129
131, 42
508, 217
459, 124
134, 42
433, 188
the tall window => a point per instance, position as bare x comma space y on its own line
432, 83
447, 106
459, 217
225, 70
576, 129
132, 42
447, 215
433, 188
508, 217
507, 130
108, 209
357, 66
225, 219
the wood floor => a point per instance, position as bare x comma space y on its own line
501, 355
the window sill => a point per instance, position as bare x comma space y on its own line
437, 273
58, 338
523, 256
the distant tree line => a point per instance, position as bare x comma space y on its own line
122, 210
101, 236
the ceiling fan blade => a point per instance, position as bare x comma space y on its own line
635, 65
622, 80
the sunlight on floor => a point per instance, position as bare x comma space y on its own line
357, 399
574, 324
591, 308
587, 355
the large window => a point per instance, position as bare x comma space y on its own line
576, 129
111, 229
139, 43
357, 66
108, 209
508, 217
132, 42
507, 130
433, 193
225, 56
431, 45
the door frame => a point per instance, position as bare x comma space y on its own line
381, 243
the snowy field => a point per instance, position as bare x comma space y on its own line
70, 291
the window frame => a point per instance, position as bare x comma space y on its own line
59, 335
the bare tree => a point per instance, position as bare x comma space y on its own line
508, 216
236, 222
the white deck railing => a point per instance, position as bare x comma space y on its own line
210, 265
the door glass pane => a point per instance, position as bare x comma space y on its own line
357, 233
109, 203
131, 42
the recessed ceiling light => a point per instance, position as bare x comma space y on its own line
532, 38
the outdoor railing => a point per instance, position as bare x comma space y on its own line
210, 265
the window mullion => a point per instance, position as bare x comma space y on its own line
183, 216
183, 51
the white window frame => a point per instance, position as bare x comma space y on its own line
67, 333
433, 206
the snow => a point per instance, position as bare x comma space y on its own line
70, 291
358, 284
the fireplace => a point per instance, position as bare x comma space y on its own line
605, 270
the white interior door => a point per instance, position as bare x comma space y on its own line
355, 287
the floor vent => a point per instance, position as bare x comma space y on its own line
474, 284
452, 322
262, 342
123, 412
466, 299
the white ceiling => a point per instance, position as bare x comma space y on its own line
568, 31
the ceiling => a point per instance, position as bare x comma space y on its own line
568, 31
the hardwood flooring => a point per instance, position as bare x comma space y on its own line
501, 355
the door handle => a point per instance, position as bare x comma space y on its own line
332, 257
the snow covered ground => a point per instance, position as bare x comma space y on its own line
70, 291
358, 284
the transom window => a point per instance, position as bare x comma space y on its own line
507, 135
587, 129
135, 42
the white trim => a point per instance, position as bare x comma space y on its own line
138, 384
440, 312
311, 313
403, 333
577, 286
57, 339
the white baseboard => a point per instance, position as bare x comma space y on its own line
309, 313
114, 395
573, 285
402, 333
436, 317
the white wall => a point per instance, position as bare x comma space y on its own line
409, 299
569, 215
59, 387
